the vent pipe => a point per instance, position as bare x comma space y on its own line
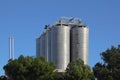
11, 48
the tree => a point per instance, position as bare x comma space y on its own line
110, 69
29, 68
77, 70
4, 77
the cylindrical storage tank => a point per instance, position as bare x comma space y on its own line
60, 46
43, 44
79, 43
52, 43
47, 45
38, 47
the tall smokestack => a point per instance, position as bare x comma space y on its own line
11, 48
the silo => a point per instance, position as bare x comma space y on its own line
48, 44
38, 46
79, 43
43, 44
52, 43
60, 45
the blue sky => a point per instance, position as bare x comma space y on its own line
25, 20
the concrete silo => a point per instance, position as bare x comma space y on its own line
42, 44
60, 45
38, 46
48, 44
64, 41
79, 43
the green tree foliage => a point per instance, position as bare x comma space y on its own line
4, 78
77, 70
110, 69
29, 68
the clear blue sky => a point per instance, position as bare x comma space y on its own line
25, 20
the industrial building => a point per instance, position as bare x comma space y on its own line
64, 41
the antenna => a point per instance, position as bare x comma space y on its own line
11, 48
